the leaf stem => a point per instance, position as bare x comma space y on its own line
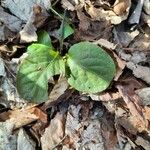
62, 32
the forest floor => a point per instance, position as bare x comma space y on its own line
117, 118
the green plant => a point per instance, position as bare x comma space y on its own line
88, 68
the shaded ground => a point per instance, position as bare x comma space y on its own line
117, 118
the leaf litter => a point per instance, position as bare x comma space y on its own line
117, 118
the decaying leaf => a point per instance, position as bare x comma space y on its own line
127, 91
121, 6
24, 142
2, 68
142, 41
8, 140
124, 141
9, 25
146, 6
143, 142
146, 18
23, 117
68, 5
120, 11
92, 30
139, 71
106, 96
135, 16
122, 37
54, 133
8, 89
37, 18
58, 89
144, 94
23, 9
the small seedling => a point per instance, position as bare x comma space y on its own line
88, 68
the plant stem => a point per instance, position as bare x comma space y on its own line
62, 32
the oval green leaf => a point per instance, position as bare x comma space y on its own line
44, 38
35, 71
91, 68
67, 30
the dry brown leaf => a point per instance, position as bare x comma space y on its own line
121, 6
23, 9
106, 96
92, 30
139, 71
143, 142
127, 90
95, 13
146, 6
123, 140
54, 133
146, 18
67, 5
142, 41
24, 116
105, 43
37, 18
59, 89
122, 37
120, 65
144, 94
9, 25
24, 142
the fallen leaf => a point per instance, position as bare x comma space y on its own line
37, 18
124, 142
106, 96
142, 41
105, 43
121, 6
142, 142
24, 116
135, 16
54, 133
122, 37
146, 6
24, 142
146, 18
84, 130
120, 65
92, 30
59, 89
23, 9
144, 94
67, 5
2, 68
127, 90
9, 25
139, 71
8, 140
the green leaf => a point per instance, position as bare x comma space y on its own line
92, 69
67, 29
44, 38
35, 71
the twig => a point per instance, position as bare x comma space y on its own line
59, 142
